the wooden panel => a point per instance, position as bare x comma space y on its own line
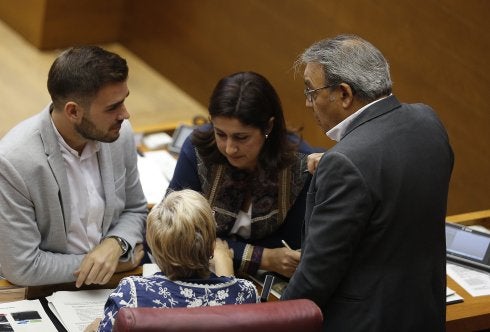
154, 101
68, 23
437, 51
26, 17
50, 24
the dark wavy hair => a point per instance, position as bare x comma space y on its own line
250, 98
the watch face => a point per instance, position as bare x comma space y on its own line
122, 243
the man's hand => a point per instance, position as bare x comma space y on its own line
138, 254
312, 161
281, 260
99, 264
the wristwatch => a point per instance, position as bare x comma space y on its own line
122, 243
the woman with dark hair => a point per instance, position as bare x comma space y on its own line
252, 171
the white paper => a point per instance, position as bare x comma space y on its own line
77, 309
476, 283
156, 169
156, 140
452, 296
11, 315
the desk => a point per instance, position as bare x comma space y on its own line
473, 314
9, 292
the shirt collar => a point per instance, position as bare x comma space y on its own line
91, 147
337, 132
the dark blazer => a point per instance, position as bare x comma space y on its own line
373, 255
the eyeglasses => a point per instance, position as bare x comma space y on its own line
310, 94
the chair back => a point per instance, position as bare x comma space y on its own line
292, 315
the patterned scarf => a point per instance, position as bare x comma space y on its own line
272, 194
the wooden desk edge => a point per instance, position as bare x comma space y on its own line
10, 292
35, 292
471, 218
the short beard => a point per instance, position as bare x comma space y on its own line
88, 130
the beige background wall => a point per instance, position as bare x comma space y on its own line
438, 51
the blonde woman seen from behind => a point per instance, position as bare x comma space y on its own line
196, 269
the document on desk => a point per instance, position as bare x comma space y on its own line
25, 315
77, 309
156, 169
452, 297
476, 283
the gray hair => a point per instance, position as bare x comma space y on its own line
352, 60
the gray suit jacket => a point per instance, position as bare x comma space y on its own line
373, 255
34, 201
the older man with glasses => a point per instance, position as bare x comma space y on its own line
373, 253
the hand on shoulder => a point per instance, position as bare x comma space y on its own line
313, 160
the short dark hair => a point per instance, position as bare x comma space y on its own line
80, 72
250, 98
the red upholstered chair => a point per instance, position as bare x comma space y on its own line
292, 315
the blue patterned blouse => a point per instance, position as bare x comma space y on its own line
158, 291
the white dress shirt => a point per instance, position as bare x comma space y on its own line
86, 196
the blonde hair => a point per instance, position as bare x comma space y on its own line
181, 232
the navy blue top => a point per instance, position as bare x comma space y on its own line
157, 291
186, 177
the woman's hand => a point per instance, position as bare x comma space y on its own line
281, 260
222, 261
313, 160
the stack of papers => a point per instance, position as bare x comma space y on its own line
77, 309
475, 282
25, 315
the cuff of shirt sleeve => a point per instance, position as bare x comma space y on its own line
252, 255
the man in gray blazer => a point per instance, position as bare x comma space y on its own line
71, 203
373, 255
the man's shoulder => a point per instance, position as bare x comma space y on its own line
23, 137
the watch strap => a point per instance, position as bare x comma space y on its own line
122, 243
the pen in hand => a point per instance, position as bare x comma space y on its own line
284, 243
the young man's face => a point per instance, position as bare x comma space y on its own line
102, 122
